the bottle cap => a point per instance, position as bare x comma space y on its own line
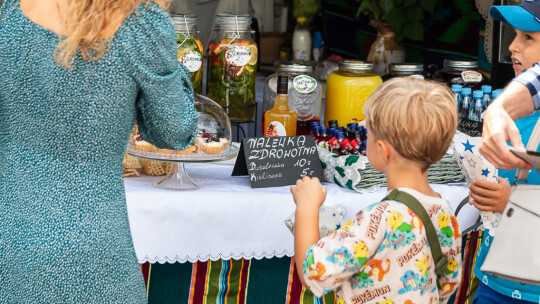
301, 19
495, 94
324, 130
333, 131
332, 141
316, 130
456, 88
340, 135
332, 123
344, 143
364, 144
466, 91
486, 88
478, 94
282, 84
352, 125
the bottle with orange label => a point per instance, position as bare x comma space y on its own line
280, 120
232, 66
190, 50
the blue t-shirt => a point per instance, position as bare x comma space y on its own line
509, 288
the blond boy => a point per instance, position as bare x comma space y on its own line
382, 255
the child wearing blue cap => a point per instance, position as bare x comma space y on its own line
489, 196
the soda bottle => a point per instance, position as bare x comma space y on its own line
466, 93
476, 108
345, 147
486, 100
323, 135
355, 147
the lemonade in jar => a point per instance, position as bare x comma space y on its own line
190, 50
232, 66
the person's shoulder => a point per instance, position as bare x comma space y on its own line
149, 17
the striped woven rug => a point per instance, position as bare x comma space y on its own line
266, 281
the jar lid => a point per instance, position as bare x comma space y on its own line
406, 67
294, 67
355, 66
461, 64
183, 21
231, 18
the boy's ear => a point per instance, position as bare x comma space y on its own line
384, 149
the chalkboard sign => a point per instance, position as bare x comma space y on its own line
470, 127
278, 161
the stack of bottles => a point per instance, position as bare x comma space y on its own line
350, 140
472, 104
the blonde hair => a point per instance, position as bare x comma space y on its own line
418, 118
88, 25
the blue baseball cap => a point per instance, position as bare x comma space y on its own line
525, 17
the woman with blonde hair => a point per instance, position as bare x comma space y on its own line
75, 76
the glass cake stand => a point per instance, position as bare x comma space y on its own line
176, 179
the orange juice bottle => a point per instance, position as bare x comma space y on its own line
347, 89
280, 120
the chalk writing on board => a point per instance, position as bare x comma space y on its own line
278, 161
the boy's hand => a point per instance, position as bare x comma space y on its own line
490, 196
308, 193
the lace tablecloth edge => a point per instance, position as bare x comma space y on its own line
199, 258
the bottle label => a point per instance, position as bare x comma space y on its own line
191, 60
237, 55
471, 76
304, 84
276, 128
301, 55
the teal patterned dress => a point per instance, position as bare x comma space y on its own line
64, 231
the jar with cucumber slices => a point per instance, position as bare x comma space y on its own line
232, 66
190, 50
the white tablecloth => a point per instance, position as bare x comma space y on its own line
226, 218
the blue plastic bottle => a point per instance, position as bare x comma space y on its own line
466, 103
486, 101
476, 109
456, 89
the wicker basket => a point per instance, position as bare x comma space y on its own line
368, 179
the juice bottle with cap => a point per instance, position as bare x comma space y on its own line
280, 120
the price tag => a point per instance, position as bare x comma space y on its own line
278, 161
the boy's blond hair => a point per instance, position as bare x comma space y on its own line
418, 118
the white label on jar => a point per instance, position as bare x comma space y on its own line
304, 84
417, 76
191, 60
471, 76
237, 55
275, 128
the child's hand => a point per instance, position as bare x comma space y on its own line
490, 196
308, 193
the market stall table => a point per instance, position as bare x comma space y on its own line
232, 225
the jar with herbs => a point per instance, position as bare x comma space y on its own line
190, 50
305, 94
415, 70
462, 72
232, 66
347, 89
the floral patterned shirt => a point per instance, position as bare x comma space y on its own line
383, 256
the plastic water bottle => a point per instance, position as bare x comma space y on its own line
456, 89
466, 103
476, 109
486, 101
496, 94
